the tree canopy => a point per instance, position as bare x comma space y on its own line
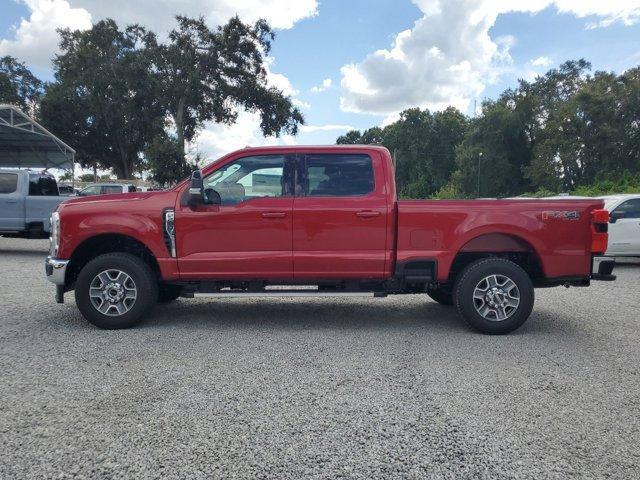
18, 86
120, 93
566, 130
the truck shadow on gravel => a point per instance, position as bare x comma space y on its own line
317, 314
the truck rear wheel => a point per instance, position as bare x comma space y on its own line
116, 290
494, 295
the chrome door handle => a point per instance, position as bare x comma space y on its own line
274, 214
367, 214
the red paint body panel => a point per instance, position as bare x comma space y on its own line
439, 229
334, 237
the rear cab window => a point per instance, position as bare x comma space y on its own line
337, 175
42, 186
109, 189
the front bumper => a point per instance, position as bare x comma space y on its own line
56, 270
602, 267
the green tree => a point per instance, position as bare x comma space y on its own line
206, 74
18, 86
165, 161
103, 101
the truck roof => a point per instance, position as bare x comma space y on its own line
318, 148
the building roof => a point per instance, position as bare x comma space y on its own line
24, 143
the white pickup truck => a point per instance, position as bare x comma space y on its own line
26, 202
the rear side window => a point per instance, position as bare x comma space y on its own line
111, 189
8, 182
42, 186
630, 208
334, 175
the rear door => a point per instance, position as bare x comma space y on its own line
624, 234
11, 203
340, 217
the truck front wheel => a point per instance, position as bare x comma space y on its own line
116, 290
494, 295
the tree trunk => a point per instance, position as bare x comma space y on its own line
179, 119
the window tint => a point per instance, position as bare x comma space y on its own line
8, 182
249, 177
630, 208
111, 189
131, 188
338, 175
42, 185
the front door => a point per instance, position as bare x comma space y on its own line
624, 234
11, 203
340, 217
247, 236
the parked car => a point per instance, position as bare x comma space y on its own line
67, 189
106, 189
319, 221
624, 225
26, 202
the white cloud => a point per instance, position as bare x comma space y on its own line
36, 39
326, 83
216, 139
448, 58
325, 128
541, 62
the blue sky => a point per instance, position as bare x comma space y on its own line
449, 51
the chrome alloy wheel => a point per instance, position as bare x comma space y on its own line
113, 292
496, 297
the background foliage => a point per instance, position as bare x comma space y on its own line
566, 131
127, 102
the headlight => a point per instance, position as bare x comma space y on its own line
169, 231
54, 234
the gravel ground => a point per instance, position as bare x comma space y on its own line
325, 388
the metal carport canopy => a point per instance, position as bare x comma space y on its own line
24, 143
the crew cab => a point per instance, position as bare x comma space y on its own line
319, 221
26, 202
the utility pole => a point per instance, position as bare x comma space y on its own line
479, 158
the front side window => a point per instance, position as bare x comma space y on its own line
249, 177
8, 182
42, 185
629, 209
337, 175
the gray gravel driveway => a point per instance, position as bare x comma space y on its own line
321, 388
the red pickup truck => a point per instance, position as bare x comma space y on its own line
319, 221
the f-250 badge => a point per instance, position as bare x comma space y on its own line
561, 215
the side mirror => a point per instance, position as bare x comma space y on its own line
615, 216
212, 197
196, 193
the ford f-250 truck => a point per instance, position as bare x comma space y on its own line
319, 221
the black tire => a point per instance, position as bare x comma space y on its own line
471, 277
145, 283
168, 293
443, 297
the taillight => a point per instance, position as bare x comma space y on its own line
599, 229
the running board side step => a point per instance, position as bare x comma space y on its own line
289, 293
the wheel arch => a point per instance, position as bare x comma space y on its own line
510, 246
100, 244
